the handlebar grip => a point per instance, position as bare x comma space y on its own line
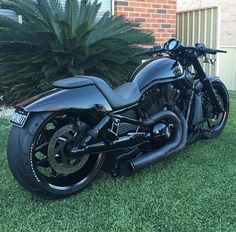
150, 51
221, 51
141, 53
146, 52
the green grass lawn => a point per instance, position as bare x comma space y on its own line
194, 191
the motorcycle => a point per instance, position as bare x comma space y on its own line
61, 139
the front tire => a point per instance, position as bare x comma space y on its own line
29, 161
217, 121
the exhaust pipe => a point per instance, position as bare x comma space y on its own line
140, 162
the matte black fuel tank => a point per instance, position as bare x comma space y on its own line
156, 71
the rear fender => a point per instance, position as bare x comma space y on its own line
82, 98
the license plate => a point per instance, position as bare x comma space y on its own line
19, 118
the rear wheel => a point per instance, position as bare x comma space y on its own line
216, 121
39, 159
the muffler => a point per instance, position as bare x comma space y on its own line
178, 143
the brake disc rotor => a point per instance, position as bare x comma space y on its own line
57, 157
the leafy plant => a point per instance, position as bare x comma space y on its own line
55, 42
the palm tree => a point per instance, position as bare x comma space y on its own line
55, 42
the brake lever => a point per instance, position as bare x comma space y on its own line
209, 60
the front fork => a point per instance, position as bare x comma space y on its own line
207, 86
211, 93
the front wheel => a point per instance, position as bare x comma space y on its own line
216, 121
39, 160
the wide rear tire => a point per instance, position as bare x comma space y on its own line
21, 159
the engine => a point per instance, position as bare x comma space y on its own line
153, 100
124, 127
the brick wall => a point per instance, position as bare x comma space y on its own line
158, 16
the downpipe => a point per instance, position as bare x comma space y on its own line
179, 142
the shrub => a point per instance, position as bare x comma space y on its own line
55, 42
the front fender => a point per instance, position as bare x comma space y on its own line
212, 80
198, 110
82, 98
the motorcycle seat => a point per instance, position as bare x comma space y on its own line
125, 95
72, 82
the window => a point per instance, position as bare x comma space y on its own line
106, 6
11, 14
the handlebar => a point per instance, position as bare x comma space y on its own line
202, 49
151, 51
199, 49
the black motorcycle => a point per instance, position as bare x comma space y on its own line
61, 139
